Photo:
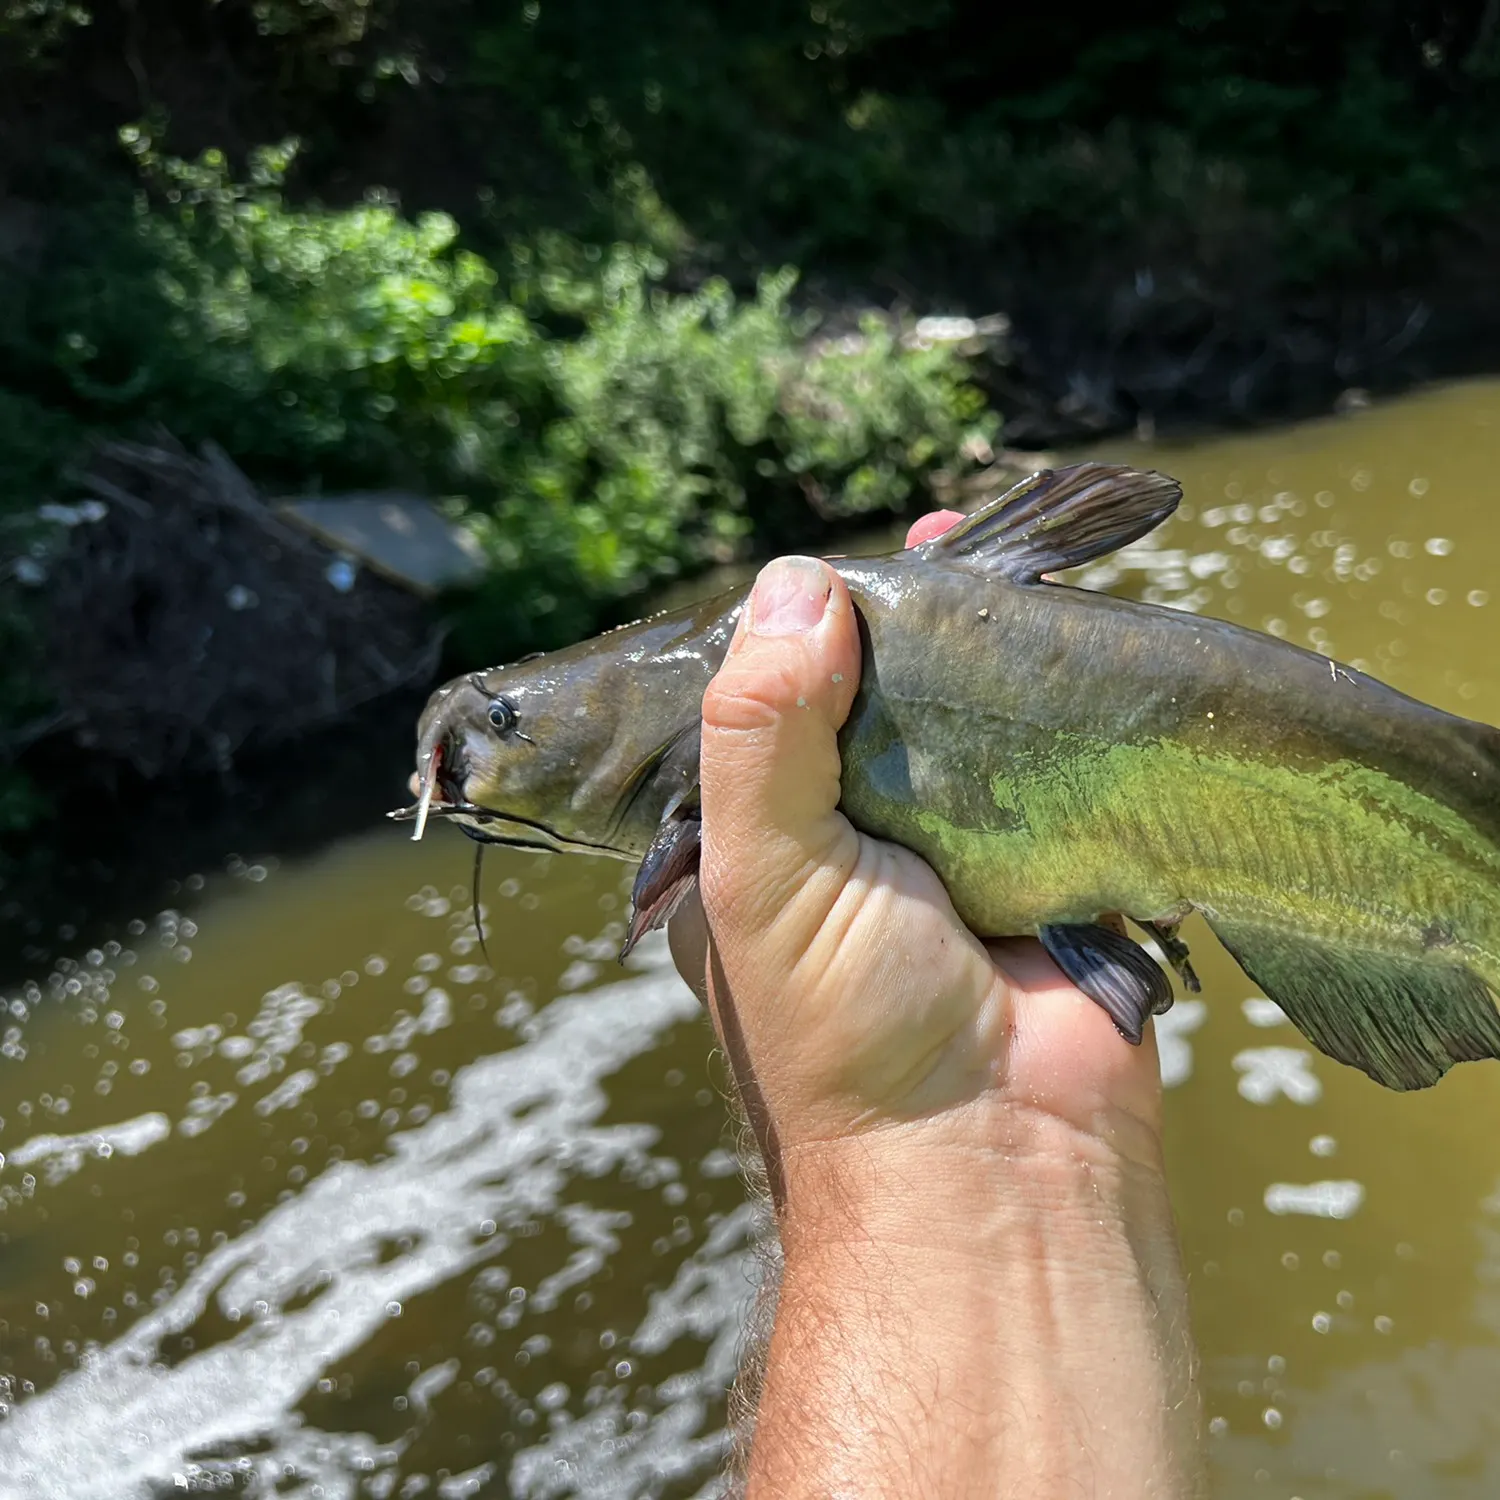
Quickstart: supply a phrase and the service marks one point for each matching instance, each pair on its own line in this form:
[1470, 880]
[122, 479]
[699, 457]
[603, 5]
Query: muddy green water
[300, 1196]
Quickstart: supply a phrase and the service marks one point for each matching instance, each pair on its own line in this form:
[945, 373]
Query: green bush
[596, 431]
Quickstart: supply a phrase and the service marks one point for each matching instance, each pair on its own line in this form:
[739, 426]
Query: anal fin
[1402, 1020]
[1112, 971]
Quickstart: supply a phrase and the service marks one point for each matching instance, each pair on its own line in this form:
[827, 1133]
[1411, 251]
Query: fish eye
[503, 715]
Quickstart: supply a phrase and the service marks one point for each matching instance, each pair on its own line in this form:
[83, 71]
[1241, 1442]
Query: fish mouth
[509, 830]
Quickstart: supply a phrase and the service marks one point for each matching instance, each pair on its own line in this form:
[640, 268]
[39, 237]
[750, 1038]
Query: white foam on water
[1340, 1199]
[1173, 1048]
[1259, 1011]
[62, 1155]
[603, 1455]
[125, 1424]
[1271, 1073]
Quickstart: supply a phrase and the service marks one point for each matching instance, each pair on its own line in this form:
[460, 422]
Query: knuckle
[749, 700]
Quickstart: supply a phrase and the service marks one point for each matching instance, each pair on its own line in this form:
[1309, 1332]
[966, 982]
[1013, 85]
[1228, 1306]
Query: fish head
[582, 749]
[504, 752]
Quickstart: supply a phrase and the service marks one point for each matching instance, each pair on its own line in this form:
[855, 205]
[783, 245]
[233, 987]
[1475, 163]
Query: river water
[302, 1196]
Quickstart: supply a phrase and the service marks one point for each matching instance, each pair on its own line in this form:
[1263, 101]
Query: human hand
[982, 1292]
[859, 999]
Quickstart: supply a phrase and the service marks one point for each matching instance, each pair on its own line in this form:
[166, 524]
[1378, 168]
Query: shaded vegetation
[532, 255]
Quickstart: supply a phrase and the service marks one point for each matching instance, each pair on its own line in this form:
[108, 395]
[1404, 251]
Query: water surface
[303, 1196]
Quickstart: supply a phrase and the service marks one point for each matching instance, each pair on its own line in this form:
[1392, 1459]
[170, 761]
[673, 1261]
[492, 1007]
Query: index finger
[934, 523]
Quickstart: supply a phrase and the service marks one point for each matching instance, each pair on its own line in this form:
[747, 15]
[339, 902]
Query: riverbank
[538, 266]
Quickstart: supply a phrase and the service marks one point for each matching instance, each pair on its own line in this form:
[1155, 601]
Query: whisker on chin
[474, 899]
[434, 810]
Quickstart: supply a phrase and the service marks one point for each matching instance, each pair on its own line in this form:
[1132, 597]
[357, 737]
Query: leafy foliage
[594, 429]
[879, 133]
[528, 263]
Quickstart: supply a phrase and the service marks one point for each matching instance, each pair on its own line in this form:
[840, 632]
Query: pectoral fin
[1113, 972]
[1403, 1021]
[1059, 518]
[667, 874]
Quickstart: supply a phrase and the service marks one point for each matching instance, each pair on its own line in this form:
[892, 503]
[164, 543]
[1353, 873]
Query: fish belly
[1024, 834]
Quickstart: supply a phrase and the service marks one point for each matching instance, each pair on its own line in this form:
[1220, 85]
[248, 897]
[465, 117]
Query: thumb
[770, 758]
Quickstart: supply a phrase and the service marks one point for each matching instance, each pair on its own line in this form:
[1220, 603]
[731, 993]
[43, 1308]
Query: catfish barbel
[1058, 756]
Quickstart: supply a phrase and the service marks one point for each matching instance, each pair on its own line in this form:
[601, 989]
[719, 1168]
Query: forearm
[960, 1319]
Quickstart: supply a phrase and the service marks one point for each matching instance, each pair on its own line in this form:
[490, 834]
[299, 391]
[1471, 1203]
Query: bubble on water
[191, 1037]
[1339, 1199]
[551, 1397]
[429, 902]
[288, 1093]
[1271, 1417]
[1321, 1322]
[577, 974]
[1383, 1324]
[1322, 1145]
[1270, 1073]
[1437, 596]
[1418, 487]
[1174, 1050]
[203, 1112]
[1438, 546]
[1217, 1427]
[1478, 597]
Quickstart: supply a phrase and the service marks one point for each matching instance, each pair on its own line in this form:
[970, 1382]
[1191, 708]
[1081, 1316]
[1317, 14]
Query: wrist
[1005, 1301]
[992, 1150]
[977, 1182]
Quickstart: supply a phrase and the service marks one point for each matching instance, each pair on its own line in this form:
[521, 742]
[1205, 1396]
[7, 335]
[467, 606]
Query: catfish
[1059, 757]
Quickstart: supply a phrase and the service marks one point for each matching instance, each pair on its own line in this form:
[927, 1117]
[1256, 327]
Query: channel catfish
[1059, 757]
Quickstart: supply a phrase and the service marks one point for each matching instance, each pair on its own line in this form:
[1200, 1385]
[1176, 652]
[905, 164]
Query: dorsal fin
[1059, 518]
